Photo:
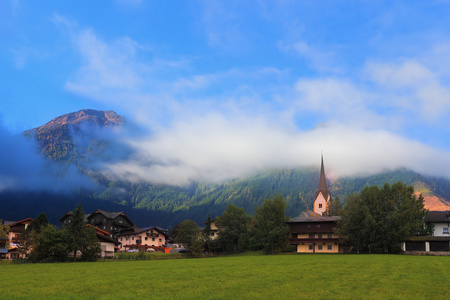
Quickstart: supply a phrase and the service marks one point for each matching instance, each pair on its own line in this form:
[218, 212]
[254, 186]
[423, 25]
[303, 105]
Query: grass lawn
[235, 277]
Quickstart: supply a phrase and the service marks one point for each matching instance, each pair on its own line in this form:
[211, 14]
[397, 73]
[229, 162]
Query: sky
[228, 88]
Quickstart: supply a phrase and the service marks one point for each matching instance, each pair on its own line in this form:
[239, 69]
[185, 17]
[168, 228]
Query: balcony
[16, 240]
[324, 240]
[16, 229]
[121, 224]
[152, 234]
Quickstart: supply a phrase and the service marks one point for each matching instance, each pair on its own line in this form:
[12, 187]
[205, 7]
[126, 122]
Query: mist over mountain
[75, 158]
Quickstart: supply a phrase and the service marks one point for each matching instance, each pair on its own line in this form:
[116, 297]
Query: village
[313, 231]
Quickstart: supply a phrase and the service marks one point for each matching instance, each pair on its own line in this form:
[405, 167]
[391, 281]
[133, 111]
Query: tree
[189, 234]
[50, 243]
[207, 234]
[4, 232]
[270, 229]
[32, 231]
[233, 227]
[334, 207]
[80, 236]
[380, 220]
[356, 223]
[90, 246]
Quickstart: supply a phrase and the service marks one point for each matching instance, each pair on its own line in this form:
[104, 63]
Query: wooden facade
[313, 233]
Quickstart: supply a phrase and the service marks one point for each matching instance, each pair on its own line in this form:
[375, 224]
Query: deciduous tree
[270, 230]
[380, 220]
[233, 229]
[189, 234]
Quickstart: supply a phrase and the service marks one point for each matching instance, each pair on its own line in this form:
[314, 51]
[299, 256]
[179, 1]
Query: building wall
[316, 248]
[439, 229]
[130, 239]
[107, 249]
[320, 204]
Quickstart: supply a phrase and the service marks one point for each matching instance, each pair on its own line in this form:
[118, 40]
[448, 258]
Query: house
[214, 229]
[438, 242]
[15, 238]
[142, 238]
[112, 222]
[107, 243]
[313, 231]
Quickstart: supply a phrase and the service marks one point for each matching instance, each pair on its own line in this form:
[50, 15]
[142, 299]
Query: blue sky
[227, 88]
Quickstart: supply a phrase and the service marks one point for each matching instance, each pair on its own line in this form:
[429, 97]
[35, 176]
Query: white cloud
[215, 148]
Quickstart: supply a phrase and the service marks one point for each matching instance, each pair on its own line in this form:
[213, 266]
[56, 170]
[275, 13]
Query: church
[313, 231]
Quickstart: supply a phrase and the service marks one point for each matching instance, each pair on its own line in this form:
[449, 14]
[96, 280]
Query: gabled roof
[438, 217]
[310, 216]
[322, 183]
[69, 213]
[103, 235]
[21, 222]
[111, 215]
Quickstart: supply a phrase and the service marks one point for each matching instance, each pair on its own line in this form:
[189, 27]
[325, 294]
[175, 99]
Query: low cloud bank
[215, 148]
[22, 168]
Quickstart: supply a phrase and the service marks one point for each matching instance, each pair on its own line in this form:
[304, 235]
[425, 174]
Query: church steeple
[322, 194]
[323, 182]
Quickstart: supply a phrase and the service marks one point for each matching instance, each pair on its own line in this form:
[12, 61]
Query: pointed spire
[323, 182]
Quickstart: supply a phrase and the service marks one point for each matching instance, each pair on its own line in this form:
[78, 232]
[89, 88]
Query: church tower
[322, 194]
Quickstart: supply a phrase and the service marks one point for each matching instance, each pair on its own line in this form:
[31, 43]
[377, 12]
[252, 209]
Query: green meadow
[234, 277]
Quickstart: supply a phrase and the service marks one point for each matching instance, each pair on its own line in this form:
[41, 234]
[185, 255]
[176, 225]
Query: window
[319, 247]
[319, 235]
[330, 247]
[146, 238]
[445, 230]
[318, 226]
[212, 233]
[330, 236]
[132, 238]
[310, 247]
[153, 239]
[320, 205]
[311, 235]
[160, 240]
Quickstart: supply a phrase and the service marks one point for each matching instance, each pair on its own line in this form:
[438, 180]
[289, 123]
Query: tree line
[377, 220]
[267, 230]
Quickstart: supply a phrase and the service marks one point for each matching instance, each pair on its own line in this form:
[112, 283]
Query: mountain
[63, 139]
[88, 135]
